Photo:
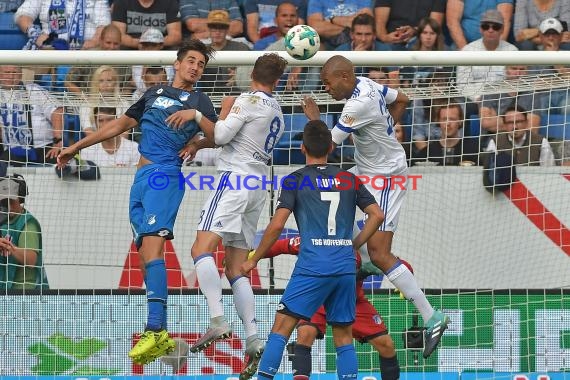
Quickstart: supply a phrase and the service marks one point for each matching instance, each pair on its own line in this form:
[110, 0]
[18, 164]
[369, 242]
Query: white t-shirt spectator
[127, 154]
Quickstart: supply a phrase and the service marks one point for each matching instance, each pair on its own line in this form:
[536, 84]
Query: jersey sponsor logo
[261, 158]
[138, 22]
[159, 91]
[280, 307]
[347, 119]
[162, 102]
[163, 233]
[235, 109]
[218, 224]
[184, 96]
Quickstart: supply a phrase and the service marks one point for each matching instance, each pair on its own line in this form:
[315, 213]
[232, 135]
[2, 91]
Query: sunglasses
[496, 27]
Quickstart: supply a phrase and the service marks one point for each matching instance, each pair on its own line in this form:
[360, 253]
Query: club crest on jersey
[347, 120]
[254, 99]
[184, 96]
[163, 102]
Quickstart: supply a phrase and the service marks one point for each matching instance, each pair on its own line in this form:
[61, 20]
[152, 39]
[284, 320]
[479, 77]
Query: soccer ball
[302, 42]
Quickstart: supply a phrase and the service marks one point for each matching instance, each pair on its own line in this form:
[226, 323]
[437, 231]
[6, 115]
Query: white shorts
[233, 214]
[389, 195]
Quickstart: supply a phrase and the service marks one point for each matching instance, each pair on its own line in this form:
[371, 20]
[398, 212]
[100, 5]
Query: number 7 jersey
[249, 133]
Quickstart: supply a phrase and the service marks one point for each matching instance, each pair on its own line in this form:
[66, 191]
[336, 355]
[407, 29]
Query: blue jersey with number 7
[323, 199]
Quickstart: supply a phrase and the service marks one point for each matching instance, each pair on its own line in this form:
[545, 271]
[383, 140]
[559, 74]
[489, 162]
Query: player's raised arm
[310, 108]
[114, 128]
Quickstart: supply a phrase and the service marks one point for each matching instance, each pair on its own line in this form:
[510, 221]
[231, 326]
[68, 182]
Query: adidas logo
[218, 224]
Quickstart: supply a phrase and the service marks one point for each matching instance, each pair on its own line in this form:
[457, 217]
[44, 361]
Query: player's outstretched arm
[374, 219]
[270, 236]
[114, 128]
[287, 246]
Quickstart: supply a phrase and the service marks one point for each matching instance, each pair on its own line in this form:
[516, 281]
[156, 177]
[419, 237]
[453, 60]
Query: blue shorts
[305, 294]
[154, 201]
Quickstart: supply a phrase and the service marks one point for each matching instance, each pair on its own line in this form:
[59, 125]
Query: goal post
[495, 260]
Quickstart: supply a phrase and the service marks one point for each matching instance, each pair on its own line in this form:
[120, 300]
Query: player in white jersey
[369, 115]
[248, 129]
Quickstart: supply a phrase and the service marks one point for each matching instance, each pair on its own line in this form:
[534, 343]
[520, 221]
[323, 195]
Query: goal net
[490, 244]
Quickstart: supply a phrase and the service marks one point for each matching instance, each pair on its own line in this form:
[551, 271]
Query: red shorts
[367, 325]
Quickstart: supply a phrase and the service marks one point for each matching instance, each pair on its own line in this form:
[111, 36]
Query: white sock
[210, 285]
[405, 281]
[244, 303]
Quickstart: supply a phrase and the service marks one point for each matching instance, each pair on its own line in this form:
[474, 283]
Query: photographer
[20, 239]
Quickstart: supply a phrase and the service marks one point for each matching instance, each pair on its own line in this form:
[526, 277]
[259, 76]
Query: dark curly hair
[195, 45]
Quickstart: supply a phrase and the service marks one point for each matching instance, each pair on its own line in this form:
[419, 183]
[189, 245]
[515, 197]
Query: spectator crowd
[440, 129]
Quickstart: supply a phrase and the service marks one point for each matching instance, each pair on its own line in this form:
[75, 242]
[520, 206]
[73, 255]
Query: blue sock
[346, 363]
[156, 294]
[271, 358]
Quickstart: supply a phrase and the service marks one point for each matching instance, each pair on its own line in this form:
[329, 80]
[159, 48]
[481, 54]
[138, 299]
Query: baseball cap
[152, 36]
[550, 24]
[8, 188]
[492, 15]
[218, 17]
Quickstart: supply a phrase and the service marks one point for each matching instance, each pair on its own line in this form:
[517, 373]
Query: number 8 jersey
[249, 133]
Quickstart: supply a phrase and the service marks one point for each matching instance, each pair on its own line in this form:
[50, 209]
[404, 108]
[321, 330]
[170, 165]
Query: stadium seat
[473, 126]
[555, 127]
[72, 129]
[11, 38]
